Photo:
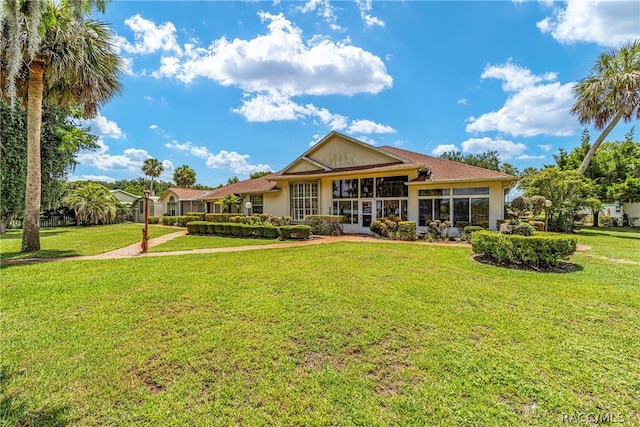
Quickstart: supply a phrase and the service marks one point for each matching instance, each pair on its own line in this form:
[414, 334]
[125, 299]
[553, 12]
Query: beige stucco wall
[633, 212]
[339, 154]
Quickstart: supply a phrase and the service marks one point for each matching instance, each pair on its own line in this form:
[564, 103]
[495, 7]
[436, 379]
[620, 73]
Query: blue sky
[234, 87]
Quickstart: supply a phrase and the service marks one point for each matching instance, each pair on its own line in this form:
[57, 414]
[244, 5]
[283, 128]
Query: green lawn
[613, 242]
[337, 334]
[185, 243]
[76, 241]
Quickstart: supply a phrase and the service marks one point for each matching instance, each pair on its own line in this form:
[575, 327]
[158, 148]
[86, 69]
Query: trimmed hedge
[179, 221]
[531, 251]
[407, 231]
[218, 217]
[295, 232]
[154, 220]
[263, 231]
[198, 214]
[325, 225]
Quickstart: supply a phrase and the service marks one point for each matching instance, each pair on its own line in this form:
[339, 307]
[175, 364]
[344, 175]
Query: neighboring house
[343, 176]
[632, 210]
[125, 197]
[180, 201]
[155, 208]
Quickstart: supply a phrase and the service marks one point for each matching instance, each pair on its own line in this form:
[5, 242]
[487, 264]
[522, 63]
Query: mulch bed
[562, 267]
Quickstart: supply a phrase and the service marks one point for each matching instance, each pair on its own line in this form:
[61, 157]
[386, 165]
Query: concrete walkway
[135, 250]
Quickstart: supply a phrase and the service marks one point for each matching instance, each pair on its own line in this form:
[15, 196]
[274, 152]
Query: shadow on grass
[43, 233]
[15, 411]
[42, 254]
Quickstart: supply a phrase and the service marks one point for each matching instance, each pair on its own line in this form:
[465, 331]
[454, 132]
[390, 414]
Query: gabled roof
[447, 170]
[248, 186]
[184, 193]
[117, 190]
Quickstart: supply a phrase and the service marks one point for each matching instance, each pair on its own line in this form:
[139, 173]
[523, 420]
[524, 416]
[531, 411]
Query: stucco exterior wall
[339, 154]
[633, 212]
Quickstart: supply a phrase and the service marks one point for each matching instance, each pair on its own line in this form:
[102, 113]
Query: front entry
[367, 215]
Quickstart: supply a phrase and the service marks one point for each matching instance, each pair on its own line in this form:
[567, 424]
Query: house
[126, 198]
[343, 176]
[180, 201]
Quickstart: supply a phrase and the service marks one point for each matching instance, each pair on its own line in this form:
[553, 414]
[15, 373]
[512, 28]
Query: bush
[406, 231]
[168, 220]
[385, 227]
[537, 225]
[325, 225]
[268, 231]
[516, 227]
[295, 232]
[213, 217]
[154, 220]
[198, 214]
[279, 221]
[470, 229]
[533, 251]
[197, 227]
[607, 221]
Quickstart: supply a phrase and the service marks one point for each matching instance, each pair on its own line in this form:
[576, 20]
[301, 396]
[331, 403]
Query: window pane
[366, 187]
[425, 208]
[436, 192]
[480, 212]
[346, 211]
[476, 191]
[460, 212]
[441, 209]
[392, 186]
[345, 189]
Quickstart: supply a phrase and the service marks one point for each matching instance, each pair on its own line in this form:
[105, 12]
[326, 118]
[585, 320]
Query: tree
[487, 160]
[60, 143]
[259, 174]
[92, 203]
[152, 168]
[567, 191]
[232, 180]
[184, 176]
[61, 59]
[609, 94]
[229, 202]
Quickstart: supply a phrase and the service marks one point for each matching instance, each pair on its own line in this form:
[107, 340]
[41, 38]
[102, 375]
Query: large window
[172, 207]
[348, 209]
[257, 203]
[304, 200]
[470, 206]
[395, 207]
[345, 189]
[366, 188]
[392, 186]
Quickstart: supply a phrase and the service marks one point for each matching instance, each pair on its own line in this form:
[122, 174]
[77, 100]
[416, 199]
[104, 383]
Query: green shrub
[182, 220]
[168, 220]
[268, 231]
[517, 227]
[406, 231]
[279, 221]
[385, 227]
[470, 229]
[218, 217]
[198, 214]
[295, 232]
[531, 251]
[537, 225]
[325, 225]
[197, 227]
[154, 220]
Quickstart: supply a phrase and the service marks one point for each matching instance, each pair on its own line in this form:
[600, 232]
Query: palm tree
[93, 204]
[610, 93]
[152, 168]
[62, 59]
[184, 176]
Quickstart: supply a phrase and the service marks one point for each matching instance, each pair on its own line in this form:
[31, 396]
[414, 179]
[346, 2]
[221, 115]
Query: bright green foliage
[92, 203]
[229, 202]
[152, 168]
[184, 176]
[263, 230]
[325, 225]
[406, 231]
[533, 251]
[180, 220]
[295, 232]
[259, 174]
[567, 191]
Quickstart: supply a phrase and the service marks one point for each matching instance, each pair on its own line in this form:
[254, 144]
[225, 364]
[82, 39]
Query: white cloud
[605, 22]
[281, 61]
[365, 7]
[149, 37]
[368, 126]
[367, 140]
[534, 108]
[545, 147]
[530, 157]
[131, 159]
[463, 101]
[223, 160]
[443, 148]
[101, 126]
[324, 9]
[506, 149]
[101, 178]
[153, 127]
[234, 161]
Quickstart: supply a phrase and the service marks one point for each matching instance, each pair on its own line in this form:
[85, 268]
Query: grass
[338, 334]
[185, 243]
[76, 241]
[613, 242]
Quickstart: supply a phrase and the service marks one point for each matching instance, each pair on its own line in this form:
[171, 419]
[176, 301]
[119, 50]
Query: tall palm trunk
[592, 151]
[31, 227]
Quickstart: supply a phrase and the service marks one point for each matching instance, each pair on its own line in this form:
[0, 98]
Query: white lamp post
[248, 206]
[547, 205]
